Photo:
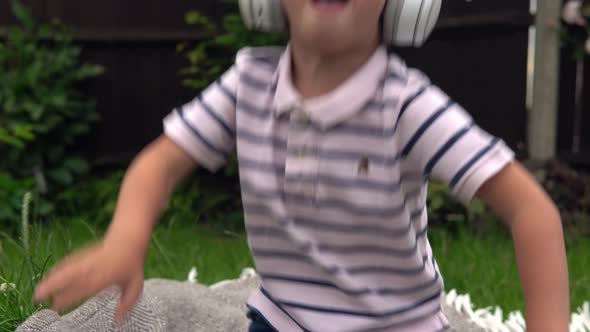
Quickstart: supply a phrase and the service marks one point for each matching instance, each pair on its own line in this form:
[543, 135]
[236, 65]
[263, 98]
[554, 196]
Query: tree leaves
[43, 111]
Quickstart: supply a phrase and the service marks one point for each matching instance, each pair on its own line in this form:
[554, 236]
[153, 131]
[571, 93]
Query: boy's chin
[328, 45]
[328, 40]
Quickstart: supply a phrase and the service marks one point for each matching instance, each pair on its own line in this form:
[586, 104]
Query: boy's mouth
[329, 5]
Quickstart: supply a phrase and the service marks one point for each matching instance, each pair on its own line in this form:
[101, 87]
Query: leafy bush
[194, 201]
[12, 191]
[445, 209]
[42, 111]
[215, 52]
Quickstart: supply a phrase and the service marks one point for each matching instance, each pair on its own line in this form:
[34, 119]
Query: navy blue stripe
[247, 164]
[350, 183]
[441, 152]
[251, 137]
[408, 148]
[373, 249]
[209, 110]
[351, 291]
[244, 106]
[372, 269]
[264, 231]
[255, 83]
[202, 138]
[412, 320]
[344, 249]
[276, 142]
[348, 155]
[430, 298]
[230, 95]
[336, 226]
[278, 168]
[392, 75]
[278, 305]
[409, 101]
[362, 131]
[263, 253]
[472, 161]
[270, 61]
[362, 269]
[345, 205]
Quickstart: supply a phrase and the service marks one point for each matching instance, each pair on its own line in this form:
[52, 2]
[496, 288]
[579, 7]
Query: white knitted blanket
[179, 306]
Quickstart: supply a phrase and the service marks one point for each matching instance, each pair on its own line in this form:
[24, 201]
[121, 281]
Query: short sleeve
[441, 140]
[205, 126]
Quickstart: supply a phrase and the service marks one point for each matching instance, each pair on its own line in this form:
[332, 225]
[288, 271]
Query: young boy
[336, 140]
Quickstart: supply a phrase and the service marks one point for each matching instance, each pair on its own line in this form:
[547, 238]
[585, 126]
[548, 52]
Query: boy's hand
[91, 270]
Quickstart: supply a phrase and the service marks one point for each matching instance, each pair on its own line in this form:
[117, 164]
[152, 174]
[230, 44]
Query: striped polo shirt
[334, 187]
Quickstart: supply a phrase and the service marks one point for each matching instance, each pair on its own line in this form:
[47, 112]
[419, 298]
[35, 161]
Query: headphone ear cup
[263, 15]
[410, 22]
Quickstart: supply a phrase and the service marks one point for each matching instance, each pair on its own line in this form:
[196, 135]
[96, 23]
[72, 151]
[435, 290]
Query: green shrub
[196, 200]
[445, 209]
[215, 52]
[42, 110]
[12, 191]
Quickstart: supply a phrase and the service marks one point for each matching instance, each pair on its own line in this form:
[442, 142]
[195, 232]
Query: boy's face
[332, 25]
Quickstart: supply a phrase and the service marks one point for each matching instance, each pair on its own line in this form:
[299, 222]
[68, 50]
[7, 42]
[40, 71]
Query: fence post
[542, 120]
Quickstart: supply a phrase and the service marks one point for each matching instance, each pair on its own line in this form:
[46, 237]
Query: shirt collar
[337, 105]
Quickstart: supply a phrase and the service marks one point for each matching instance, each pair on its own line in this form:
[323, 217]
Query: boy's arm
[535, 224]
[118, 259]
[200, 132]
[146, 190]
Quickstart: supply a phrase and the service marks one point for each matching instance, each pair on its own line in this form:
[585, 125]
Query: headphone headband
[405, 23]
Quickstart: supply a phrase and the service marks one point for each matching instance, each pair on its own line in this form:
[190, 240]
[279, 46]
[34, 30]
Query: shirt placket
[302, 159]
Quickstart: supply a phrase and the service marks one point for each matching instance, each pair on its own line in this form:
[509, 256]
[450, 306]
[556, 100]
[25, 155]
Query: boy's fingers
[129, 295]
[57, 281]
[66, 298]
[59, 277]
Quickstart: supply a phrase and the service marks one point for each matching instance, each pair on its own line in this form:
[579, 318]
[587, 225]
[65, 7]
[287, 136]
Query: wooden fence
[478, 54]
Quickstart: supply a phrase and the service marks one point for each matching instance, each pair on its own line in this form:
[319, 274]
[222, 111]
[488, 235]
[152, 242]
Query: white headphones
[405, 22]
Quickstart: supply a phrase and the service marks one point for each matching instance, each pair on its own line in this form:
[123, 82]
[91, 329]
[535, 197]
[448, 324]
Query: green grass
[485, 267]
[175, 249]
[482, 265]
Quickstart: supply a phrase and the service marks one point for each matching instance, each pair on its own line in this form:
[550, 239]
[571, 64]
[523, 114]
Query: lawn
[174, 251]
[483, 266]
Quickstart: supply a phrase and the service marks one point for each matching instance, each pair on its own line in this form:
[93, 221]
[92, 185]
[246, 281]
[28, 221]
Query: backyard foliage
[214, 53]
[42, 109]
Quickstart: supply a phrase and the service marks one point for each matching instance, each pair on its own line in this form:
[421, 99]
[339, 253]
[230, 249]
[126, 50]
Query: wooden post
[542, 121]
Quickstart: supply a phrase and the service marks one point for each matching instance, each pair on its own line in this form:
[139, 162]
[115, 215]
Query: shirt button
[300, 153]
[303, 120]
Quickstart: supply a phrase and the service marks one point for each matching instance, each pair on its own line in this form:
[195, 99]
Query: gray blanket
[175, 306]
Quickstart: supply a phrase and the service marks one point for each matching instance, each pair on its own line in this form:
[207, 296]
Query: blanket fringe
[490, 318]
